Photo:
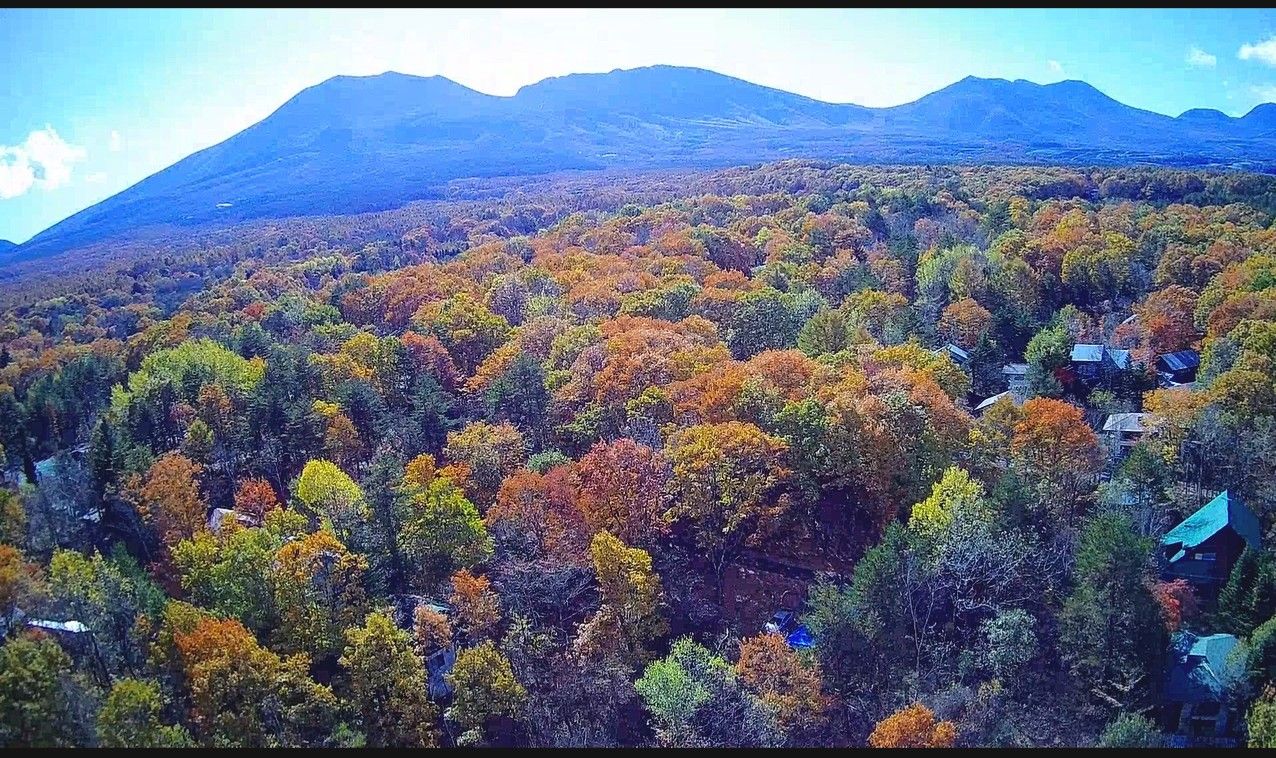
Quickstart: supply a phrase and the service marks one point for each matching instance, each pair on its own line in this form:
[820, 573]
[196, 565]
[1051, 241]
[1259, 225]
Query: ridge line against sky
[93, 101]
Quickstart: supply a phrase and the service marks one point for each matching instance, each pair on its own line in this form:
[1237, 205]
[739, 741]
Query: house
[1204, 547]
[1196, 706]
[1122, 431]
[1098, 363]
[220, 516]
[958, 355]
[1016, 375]
[439, 663]
[1175, 369]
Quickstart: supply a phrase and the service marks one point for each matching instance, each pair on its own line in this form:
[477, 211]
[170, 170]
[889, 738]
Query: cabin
[1122, 431]
[1016, 375]
[1178, 368]
[1203, 548]
[958, 355]
[1195, 705]
[1097, 364]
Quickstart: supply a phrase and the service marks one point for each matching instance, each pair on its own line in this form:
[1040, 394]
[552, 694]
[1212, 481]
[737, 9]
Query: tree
[441, 531]
[1131, 730]
[478, 608]
[492, 452]
[1049, 352]
[913, 727]
[34, 707]
[622, 490]
[330, 496]
[130, 718]
[20, 581]
[697, 700]
[1262, 651]
[629, 618]
[484, 688]
[1055, 448]
[431, 631]
[773, 670]
[243, 695]
[319, 592]
[542, 508]
[1177, 601]
[255, 498]
[1249, 597]
[956, 497]
[1260, 722]
[964, 322]
[1110, 631]
[388, 687]
[728, 483]
[170, 498]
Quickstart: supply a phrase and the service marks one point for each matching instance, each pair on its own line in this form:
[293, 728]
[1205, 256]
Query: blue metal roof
[1224, 510]
[1121, 358]
[1200, 667]
[1087, 353]
[1183, 360]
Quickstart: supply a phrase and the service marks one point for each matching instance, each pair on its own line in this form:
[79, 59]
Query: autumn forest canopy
[791, 455]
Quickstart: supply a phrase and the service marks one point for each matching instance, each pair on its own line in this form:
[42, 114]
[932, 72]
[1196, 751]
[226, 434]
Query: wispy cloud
[1264, 51]
[1265, 92]
[1198, 57]
[1055, 67]
[44, 161]
[96, 177]
[117, 142]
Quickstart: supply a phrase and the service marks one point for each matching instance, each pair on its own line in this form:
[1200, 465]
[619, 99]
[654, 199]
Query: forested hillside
[678, 459]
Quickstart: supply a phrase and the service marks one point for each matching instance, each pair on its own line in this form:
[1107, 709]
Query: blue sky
[93, 101]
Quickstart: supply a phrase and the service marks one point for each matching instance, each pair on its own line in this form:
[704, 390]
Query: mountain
[353, 144]
[6, 246]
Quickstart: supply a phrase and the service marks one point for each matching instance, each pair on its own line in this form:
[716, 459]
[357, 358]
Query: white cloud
[117, 142]
[1198, 57]
[95, 178]
[1055, 67]
[44, 160]
[1264, 51]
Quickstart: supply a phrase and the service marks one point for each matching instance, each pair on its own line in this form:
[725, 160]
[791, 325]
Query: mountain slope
[354, 144]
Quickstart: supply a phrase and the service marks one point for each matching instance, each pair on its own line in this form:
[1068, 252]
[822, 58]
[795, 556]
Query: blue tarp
[800, 638]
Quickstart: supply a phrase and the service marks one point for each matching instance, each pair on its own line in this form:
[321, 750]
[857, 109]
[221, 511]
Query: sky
[93, 101]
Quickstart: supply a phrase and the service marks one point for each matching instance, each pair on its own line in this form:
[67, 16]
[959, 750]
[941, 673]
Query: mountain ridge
[360, 143]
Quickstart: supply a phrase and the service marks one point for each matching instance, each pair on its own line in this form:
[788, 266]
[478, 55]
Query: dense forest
[678, 459]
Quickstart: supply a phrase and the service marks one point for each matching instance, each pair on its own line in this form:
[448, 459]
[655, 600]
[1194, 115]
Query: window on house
[1205, 556]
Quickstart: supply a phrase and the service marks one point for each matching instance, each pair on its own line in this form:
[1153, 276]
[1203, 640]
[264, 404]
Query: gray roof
[957, 353]
[1015, 369]
[58, 626]
[1121, 358]
[1128, 422]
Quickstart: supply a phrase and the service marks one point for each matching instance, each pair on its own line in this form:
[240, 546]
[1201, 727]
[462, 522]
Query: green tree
[34, 707]
[130, 718]
[329, 495]
[388, 685]
[441, 531]
[1048, 351]
[1130, 730]
[1249, 597]
[484, 688]
[697, 700]
[1111, 629]
[1261, 721]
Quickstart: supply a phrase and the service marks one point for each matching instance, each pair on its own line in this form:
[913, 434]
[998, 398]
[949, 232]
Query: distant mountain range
[354, 144]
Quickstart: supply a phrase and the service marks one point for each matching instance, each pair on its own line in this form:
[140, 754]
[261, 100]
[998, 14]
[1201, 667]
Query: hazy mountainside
[6, 246]
[354, 144]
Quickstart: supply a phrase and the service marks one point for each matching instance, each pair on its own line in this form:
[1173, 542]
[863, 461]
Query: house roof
[1127, 422]
[1015, 369]
[1183, 360]
[72, 626]
[1121, 358]
[957, 353]
[217, 519]
[1087, 353]
[1199, 667]
[990, 401]
[1224, 510]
